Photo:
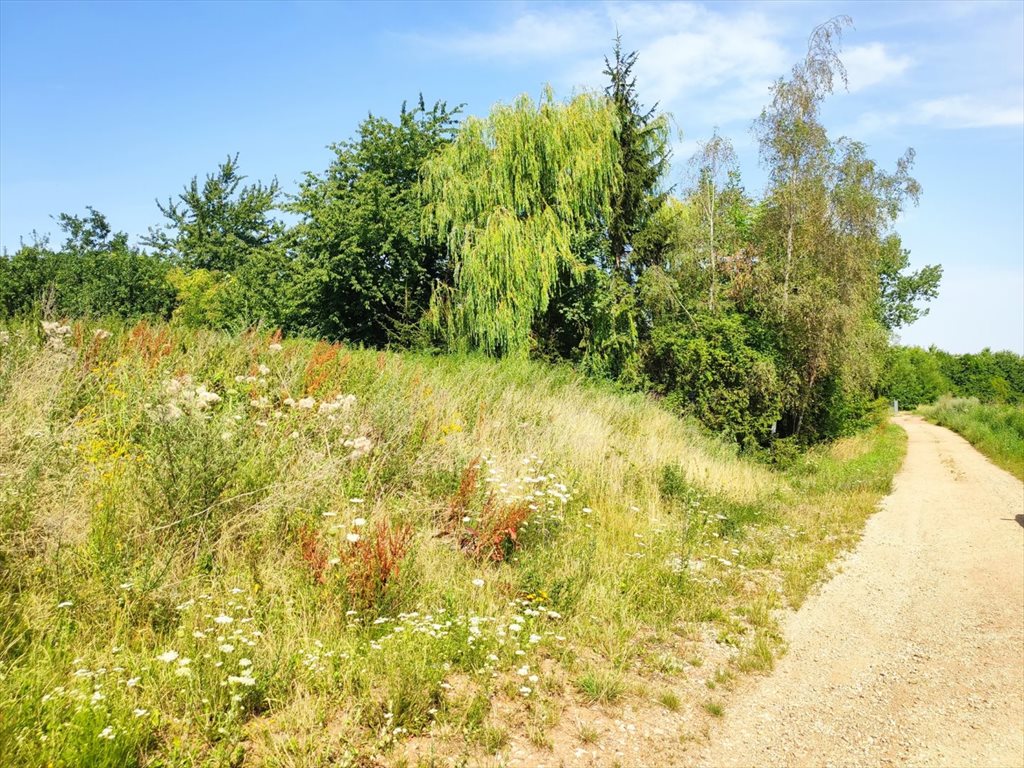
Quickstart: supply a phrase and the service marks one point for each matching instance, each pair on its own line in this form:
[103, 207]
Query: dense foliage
[916, 376]
[545, 229]
[365, 269]
[94, 272]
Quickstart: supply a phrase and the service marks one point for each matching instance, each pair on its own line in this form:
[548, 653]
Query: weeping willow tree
[509, 196]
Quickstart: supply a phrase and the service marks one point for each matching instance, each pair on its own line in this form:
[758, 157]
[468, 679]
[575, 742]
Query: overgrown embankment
[997, 430]
[221, 550]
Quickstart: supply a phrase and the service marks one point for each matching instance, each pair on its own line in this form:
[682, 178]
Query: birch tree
[714, 160]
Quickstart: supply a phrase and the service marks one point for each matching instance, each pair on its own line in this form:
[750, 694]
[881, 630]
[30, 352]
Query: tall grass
[995, 430]
[220, 550]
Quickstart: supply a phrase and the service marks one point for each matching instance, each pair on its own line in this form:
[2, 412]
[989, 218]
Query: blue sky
[116, 104]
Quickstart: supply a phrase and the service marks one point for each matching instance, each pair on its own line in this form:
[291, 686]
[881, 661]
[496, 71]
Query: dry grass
[164, 490]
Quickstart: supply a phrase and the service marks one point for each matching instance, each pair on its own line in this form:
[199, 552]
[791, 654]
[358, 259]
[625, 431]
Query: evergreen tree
[643, 157]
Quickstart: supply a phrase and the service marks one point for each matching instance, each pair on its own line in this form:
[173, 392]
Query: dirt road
[914, 653]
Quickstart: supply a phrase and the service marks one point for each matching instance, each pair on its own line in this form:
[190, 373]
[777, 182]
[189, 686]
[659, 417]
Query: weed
[669, 700]
[714, 708]
[601, 686]
[164, 498]
[492, 738]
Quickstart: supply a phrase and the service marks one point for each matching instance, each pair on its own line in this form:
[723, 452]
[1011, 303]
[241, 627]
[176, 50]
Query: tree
[714, 162]
[367, 270]
[912, 376]
[643, 158]
[95, 272]
[899, 293]
[508, 197]
[822, 235]
[707, 367]
[219, 225]
[794, 145]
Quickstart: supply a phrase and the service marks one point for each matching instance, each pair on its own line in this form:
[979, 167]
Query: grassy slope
[995, 430]
[222, 536]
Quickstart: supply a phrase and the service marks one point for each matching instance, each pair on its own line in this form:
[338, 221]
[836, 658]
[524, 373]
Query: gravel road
[914, 653]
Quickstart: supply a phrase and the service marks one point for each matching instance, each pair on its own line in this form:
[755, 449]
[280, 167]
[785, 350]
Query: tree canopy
[508, 197]
[546, 228]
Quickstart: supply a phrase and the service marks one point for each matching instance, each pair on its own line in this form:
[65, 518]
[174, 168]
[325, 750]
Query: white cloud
[955, 111]
[971, 112]
[871, 64]
[546, 34]
[692, 57]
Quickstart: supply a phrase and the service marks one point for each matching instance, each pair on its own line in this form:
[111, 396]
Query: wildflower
[526, 690]
[353, 537]
[356, 500]
[65, 604]
[100, 334]
[334, 561]
[204, 397]
[222, 619]
[107, 733]
[478, 582]
[167, 657]
[275, 347]
[523, 671]
[133, 681]
[533, 679]
[140, 712]
[360, 446]
[225, 436]
[226, 647]
[534, 638]
[264, 370]
[126, 585]
[241, 680]
[245, 662]
[306, 403]
[359, 522]
[514, 628]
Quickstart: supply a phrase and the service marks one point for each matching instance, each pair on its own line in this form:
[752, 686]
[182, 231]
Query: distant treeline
[546, 229]
[916, 376]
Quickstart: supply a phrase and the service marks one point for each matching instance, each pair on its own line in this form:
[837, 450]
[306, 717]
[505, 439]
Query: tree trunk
[714, 263]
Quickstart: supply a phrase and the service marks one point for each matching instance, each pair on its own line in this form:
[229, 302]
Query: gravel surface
[914, 653]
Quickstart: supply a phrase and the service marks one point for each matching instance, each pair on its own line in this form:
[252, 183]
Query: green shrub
[711, 372]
